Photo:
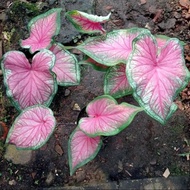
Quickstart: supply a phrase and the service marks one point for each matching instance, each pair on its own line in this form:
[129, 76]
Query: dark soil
[145, 149]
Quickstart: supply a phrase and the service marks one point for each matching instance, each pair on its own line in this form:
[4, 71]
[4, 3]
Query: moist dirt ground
[145, 149]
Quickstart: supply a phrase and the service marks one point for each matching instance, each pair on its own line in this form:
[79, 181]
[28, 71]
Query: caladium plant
[32, 128]
[151, 68]
[105, 118]
[87, 23]
[157, 75]
[29, 84]
[42, 29]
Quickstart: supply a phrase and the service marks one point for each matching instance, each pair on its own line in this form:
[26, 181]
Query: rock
[50, 178]
[177, 15]
[68, 32]
[12, 182]
[67, 92]
[18, 156]
[170, 23]
[51, 2]
[76, 107]
[3, 16]
[153, 162]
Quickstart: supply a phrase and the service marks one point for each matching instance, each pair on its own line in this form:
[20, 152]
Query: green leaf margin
[8, 91]
[103, 38]
[119, 129]
[72, 170]
[17, 119]
[41, 16]
[77, 68]
[173, 107]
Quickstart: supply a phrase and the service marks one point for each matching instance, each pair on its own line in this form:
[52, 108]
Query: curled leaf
[87, 23]
[106, 117]
[157, 75]
[42, 28]
[32, 128]
[97, 66]
[82, 149]
[29, 84]
[66, 66]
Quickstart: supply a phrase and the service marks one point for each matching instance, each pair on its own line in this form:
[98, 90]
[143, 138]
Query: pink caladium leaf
[162, 40]
[42, 29]
[29, 84]
[112, 49]
[116, 83]
[32, 128]
[97, 66]
[66, 66]
[106, 117]
[157, 75]
[87, 23]
[82, 149]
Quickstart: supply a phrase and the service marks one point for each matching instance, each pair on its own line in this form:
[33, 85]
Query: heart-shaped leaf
[112, 49]
[106, 117]
[116, 83]
[42, 28]
[32, 128]
[87, 23]
[157, 75]
[29, 84]
[82, 149]
[66, 66]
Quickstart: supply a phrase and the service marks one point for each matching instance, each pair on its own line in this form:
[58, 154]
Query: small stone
[166, 173]
[177, 15]
[12, 182]
[51, 2]
[67, 92]
[50, 178]
[169, 24]
[3, 16]
[76, 107]
[153, 162]
[18, 156]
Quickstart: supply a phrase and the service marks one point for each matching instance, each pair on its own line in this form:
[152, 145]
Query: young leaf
[32, 128]
[87, 23]
[82, 149]
[157, 75]
[106, 117]
[29, 84]
[97, 66]
[66, 66]
[42, 28]
[116, 83]
[113, 49]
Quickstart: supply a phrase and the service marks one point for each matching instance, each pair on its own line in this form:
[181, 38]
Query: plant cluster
[150, 67]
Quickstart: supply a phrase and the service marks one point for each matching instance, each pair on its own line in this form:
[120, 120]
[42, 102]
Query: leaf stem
[69, 47]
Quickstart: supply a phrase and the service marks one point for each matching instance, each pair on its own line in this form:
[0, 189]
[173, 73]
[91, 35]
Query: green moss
[22, 9]
[177, 171]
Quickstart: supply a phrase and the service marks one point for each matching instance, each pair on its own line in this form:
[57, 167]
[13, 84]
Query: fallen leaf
[143, 2]
[184, 3]
[59, 149]
[166, 173]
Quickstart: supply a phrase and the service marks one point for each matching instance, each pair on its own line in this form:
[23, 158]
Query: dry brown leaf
[143, 2]
[59, 149]
[185, 3]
